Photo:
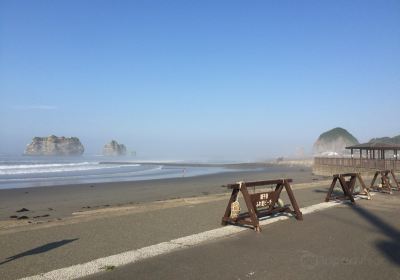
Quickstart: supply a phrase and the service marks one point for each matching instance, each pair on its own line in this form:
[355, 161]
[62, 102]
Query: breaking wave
[55, 167]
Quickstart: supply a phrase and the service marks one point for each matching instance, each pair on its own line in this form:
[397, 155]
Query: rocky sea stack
[114, 149]
[55, 146]
[334, 142]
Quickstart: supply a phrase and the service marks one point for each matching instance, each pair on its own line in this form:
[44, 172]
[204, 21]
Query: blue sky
[198, 79]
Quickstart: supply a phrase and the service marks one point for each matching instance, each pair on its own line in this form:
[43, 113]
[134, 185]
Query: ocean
[31, 171]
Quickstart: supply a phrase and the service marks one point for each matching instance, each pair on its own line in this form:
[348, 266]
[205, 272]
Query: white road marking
[130, 257]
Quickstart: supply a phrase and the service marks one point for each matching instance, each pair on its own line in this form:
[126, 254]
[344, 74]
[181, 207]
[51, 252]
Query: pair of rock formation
[114, 149]
[64, 146]
[54, 146]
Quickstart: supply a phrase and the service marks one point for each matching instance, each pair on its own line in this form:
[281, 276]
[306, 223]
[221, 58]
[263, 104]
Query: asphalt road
[345, 242]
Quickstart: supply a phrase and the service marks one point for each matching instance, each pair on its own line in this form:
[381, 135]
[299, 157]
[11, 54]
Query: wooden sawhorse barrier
[385, 185]
[347, 182]
[259, 204]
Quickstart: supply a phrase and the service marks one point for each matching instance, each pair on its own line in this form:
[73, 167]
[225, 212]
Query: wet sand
[59, 202]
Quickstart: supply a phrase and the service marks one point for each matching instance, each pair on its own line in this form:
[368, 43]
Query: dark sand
[58, 202]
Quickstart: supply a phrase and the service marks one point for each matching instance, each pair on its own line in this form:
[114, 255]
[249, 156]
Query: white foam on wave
[44, 165]
[126, 174]
[57, 167]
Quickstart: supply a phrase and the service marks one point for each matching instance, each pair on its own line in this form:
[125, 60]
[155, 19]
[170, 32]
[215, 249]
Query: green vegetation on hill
[388, 140]
[337, 132]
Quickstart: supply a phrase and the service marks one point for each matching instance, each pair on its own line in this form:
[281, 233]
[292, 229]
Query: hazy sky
[198, 79]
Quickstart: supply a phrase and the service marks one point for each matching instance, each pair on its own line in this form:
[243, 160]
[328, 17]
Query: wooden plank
[352, 182]
[329, 194]
[363, 186]
[345, 188]
[260, 183]
[266, 212]
[395, 179]
[374, 179]
[349, 174]
[296, 208]
[250, 207]
[386, 184]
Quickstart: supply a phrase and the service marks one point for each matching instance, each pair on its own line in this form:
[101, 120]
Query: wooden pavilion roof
[375, 146]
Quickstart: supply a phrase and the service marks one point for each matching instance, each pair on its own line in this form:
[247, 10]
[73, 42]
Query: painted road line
[133, 256]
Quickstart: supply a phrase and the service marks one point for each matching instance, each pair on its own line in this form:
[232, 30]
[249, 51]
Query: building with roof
[365, 158]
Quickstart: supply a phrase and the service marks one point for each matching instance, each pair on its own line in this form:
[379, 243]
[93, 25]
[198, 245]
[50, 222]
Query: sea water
[31, 171]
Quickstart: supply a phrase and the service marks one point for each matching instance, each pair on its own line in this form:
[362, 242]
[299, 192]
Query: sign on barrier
[385, 185]
[259, 204]
[347, 182]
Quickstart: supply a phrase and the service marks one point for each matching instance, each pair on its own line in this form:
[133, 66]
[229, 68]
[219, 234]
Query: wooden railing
[364, 163]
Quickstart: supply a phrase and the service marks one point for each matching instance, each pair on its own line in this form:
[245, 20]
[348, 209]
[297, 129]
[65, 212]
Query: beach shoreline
[46, 204]
[40, 172]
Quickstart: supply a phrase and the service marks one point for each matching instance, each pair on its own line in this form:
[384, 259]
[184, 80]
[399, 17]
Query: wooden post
[363, 186]
[299, 215]
[330, 190]
[345, 187]
[374, 179]
[395, 179]
[250, 207]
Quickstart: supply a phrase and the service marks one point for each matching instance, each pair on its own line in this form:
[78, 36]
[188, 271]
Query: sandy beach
[46, 204]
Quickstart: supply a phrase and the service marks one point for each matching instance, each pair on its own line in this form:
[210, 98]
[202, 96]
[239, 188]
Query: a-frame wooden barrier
[385, 185]
[347, 182]
[259, 204]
